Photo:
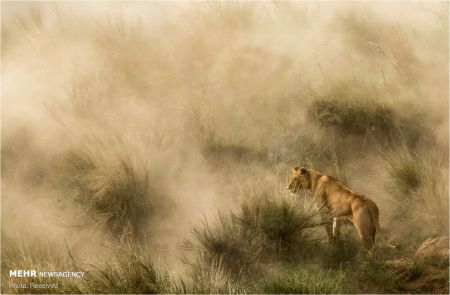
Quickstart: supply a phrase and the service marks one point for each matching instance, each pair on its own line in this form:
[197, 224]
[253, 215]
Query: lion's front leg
[328, 226]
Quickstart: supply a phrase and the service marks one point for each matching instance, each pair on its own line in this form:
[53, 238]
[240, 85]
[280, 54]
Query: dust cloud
[144, 119]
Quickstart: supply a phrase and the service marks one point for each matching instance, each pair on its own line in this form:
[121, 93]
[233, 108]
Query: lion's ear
[296, 169]
[303, 170]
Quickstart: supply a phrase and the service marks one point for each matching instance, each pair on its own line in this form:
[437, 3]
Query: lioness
[340, 202]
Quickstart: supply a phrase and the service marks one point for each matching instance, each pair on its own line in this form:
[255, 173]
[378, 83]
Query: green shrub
[343, 252]
[307, 279]
[376, 273]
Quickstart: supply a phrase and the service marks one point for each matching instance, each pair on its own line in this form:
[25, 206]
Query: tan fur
[340, 202]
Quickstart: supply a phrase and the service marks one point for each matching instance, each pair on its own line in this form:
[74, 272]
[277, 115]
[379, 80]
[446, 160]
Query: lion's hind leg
[365, 230]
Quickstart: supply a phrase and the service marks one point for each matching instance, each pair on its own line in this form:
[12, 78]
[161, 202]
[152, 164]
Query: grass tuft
[130, 269]
[269, 225]
[119, 194]
[419, 187]
[283, 221]
[343, 252]
[406, 169]
[21, 253]
[308, 279]
[227, 244]
[375, 272]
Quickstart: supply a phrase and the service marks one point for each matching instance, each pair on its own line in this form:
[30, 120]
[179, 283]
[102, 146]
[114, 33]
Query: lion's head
[299, 180]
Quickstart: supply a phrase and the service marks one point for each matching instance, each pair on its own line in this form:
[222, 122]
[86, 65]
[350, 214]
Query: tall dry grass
[418, 186]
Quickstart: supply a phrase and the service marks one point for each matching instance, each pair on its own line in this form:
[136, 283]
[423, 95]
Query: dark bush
[350, 108]
[281, 220]
[113, 190]
[227, 243]
[268, 226]
[358, 117]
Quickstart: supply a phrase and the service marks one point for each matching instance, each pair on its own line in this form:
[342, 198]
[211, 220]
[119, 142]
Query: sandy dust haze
[142, 121]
